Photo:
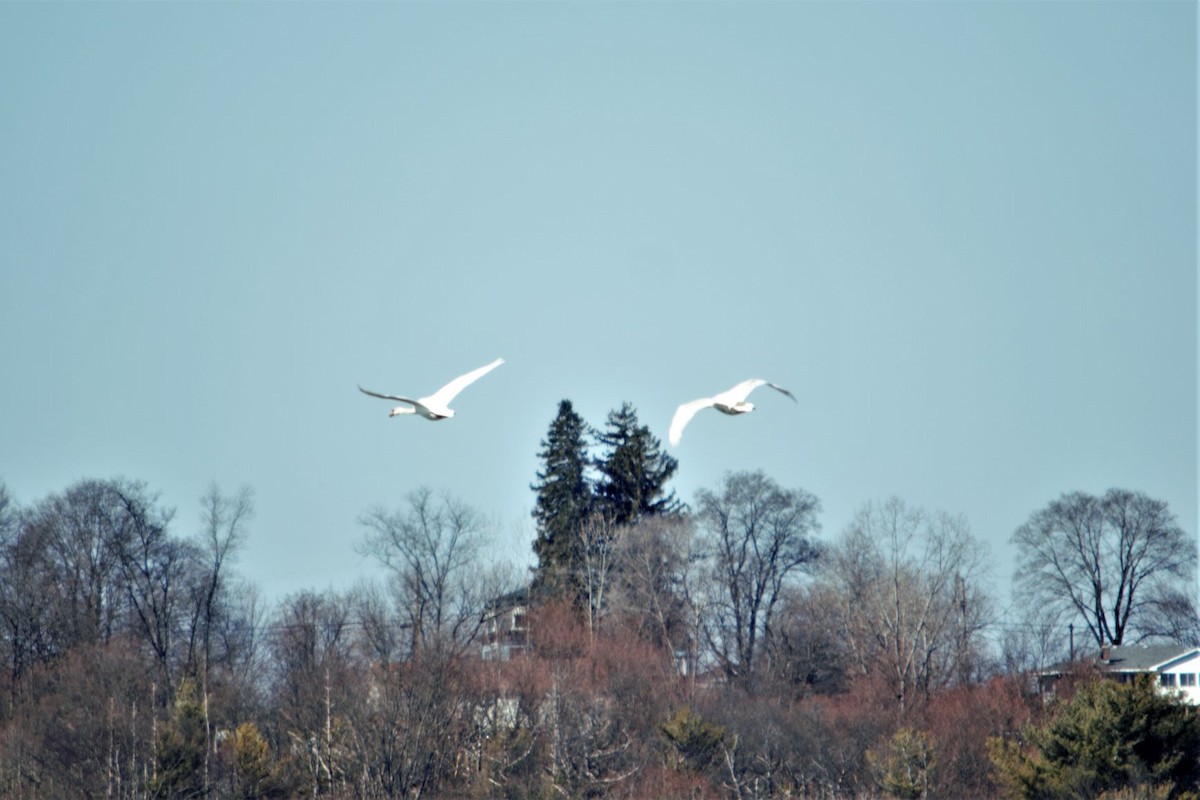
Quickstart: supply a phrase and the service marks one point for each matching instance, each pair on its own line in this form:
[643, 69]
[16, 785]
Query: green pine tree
[180, 748]
[633, 471]
[697, 743]
[1109, 737]
[564, 501]
[905, 765]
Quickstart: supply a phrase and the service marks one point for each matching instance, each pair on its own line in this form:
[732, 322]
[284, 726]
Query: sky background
[963, 234]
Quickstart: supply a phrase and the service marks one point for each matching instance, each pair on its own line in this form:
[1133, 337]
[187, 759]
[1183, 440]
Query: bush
[1109, 737]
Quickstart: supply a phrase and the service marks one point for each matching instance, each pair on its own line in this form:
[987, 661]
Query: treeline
[722, 649]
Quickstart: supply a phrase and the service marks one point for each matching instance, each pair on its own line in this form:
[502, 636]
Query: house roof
[1143, 658]
[507, 602]
[1130, 658]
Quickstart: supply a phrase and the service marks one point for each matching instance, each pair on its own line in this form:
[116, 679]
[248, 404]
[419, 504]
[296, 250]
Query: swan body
[437, 405]
[731, 401]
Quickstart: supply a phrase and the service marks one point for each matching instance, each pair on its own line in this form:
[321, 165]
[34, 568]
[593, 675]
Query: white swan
[731, 401]
[436, 406]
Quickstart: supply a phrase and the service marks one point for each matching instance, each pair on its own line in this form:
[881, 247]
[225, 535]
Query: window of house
[1167, 679]
[1187, 679]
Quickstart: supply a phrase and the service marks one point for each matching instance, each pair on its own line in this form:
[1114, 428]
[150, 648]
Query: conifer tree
[634, 471]
[180, 750]
[1109, 737]
[564, 502]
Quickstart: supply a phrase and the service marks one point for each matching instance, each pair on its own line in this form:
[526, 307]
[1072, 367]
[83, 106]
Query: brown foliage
[84, 727]
[961, 720]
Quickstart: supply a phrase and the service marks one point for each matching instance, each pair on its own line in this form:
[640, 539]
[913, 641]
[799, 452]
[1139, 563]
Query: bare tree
[597, 537]
[1173, 616]
[432, 548]
[908, 585]
[9, 514]
[380, 630]
[314, 684]
[31, 606]
[1118, 563]
[807, 653]
[600, 702]
[84, 729]
[409, 727]
[657, 565]
[224, 519]
[757, 535]
[1036, 642]
[155, 567]
[98, 560]
[238, 638]
[85, 528]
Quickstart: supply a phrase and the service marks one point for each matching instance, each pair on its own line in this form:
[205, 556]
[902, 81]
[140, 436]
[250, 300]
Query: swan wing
[740, 392]
[779, 388]
[444, 395]
[683, 415]
[397, 398]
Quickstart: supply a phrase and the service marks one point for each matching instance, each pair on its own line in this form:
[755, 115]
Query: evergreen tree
[564, 501]
[634, 471]
[1109, 737]
[181, 748]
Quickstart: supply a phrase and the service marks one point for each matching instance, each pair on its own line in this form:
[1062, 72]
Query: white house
[1176, 668]
[505, 629]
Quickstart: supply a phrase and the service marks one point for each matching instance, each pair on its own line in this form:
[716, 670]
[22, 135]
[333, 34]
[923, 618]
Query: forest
[717, 648]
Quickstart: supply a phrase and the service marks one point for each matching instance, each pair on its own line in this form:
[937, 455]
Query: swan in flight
[437, 405]
[731, 401]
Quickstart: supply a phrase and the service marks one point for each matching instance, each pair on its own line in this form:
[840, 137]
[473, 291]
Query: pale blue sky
[964, 234]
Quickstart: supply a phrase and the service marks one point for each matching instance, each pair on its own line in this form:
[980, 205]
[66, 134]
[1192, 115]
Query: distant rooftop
[517, 597]
[1140, 658]
[1127, 658]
